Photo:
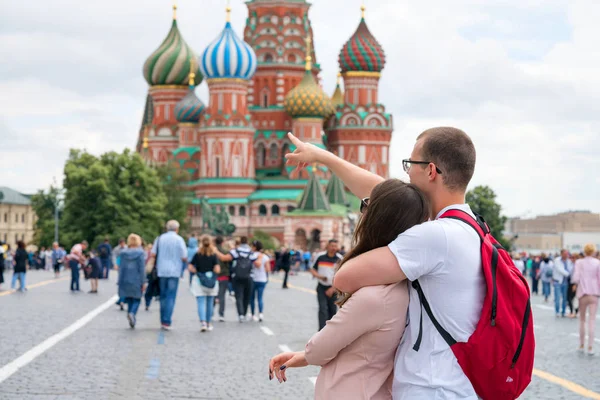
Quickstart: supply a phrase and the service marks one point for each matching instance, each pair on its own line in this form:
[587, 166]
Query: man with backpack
[458, 273]
[105, 254]
[241, 275]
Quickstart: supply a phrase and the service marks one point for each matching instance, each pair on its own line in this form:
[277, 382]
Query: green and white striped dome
[170, 63]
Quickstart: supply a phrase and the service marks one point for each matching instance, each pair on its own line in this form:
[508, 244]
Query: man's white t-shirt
[445, 256]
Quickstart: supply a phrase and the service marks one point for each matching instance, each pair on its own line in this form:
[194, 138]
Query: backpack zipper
[523, 332]
[495, 289]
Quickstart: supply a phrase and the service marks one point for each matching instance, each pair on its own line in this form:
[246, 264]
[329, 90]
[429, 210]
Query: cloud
[520, 76]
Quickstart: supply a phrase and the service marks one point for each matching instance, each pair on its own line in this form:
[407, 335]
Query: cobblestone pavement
[107, 360]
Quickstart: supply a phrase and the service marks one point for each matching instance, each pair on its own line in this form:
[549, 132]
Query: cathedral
[263, 85]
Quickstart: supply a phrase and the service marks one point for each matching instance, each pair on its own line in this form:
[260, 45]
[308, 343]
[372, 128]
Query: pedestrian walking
[560, 274]
[204, 268]
[323, 270]
[357, 347]
[544, 271]
[48, 259]
[285, 261]
[116, 258]
[58, 259]
[105, 253]
[20, 267]
[2, 252]
[241, 277]
[224, 278]
[95, 269]
[192, 249]
[259, 280]
[306, 260]
[169, 252]
[536, 274]
[587, 276]
[152, 288]
[132, 276]
[75, 259]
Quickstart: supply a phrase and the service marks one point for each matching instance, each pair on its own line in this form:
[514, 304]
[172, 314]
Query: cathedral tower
[361, 130]
[226, 132]
[167, 73]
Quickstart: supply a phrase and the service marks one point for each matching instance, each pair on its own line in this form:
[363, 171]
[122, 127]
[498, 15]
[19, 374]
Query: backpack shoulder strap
[425, 304]
[479, 225]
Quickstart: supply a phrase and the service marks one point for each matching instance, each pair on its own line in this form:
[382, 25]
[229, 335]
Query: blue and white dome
[228, 57]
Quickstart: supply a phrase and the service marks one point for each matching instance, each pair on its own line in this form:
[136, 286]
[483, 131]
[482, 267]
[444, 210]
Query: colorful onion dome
[190, 107]
[170, 63]
[338, 95]
[308, 99]
[362, 52]
[228, 56]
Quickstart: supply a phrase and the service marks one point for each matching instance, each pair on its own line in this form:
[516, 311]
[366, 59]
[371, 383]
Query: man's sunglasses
[406, 165]
[364, 203]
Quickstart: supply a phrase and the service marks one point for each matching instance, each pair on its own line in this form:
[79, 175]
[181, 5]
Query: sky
[521, 77]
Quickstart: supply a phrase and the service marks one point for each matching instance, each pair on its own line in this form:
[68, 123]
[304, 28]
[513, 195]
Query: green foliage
[43, 204]
[267, 240]
[482, 200]
[173, 182]
[114, 194]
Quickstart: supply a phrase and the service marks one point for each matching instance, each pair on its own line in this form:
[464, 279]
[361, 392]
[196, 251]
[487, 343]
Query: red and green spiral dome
[362, 52]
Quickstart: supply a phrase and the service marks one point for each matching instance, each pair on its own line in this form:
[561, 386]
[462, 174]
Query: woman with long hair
[205, 267]
[259, 279]
[357, 346]
[586, 275]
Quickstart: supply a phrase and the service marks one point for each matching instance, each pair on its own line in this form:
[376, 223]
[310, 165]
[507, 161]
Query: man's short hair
[219, 240]
[244, 240]
[453, 152]
[332, 241]
[85, 243]
[172, 225]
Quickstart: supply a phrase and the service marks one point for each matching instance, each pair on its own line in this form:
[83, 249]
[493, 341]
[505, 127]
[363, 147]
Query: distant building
[550, 233]
[17, 218]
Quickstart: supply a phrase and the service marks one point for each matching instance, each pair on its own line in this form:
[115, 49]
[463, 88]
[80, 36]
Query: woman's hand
[191, 268]
[281, 362]
[305, 153]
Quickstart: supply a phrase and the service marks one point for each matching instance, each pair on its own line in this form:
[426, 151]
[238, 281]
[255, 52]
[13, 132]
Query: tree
[267, 240]
[174, 180]
[114, 194]
[44, 204]
[482, 200]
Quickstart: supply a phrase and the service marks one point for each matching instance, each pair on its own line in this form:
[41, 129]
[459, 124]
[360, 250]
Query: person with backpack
[204, 269]
[104, 252]
[357, 346]
[469, 306]
[241, 277]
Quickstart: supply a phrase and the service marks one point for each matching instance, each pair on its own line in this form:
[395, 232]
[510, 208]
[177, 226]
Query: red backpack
[498, 357]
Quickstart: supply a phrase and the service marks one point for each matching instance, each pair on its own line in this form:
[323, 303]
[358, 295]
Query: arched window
[273, 152]
[292, 59]
[232, 210]
[268, 57]
[290, 208]
[275, 209]
[265, 100]
[260, 155]
[262, 210]
[242, 211]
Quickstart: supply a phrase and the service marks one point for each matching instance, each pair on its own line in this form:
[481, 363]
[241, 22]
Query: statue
[216, 223]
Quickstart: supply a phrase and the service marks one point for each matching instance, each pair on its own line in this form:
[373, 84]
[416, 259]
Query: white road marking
[285, 348]
[15, 365]
[543, 307]
[267, 331]
[586, 337]
[313, 379]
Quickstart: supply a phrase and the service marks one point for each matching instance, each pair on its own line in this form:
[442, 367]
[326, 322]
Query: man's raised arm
[375, 267]
[358, 180]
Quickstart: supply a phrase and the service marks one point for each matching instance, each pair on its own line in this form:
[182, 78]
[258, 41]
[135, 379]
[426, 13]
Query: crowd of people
[411, 287]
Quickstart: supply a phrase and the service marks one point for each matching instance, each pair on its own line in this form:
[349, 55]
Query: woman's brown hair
[394, 207]
[206, 248]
